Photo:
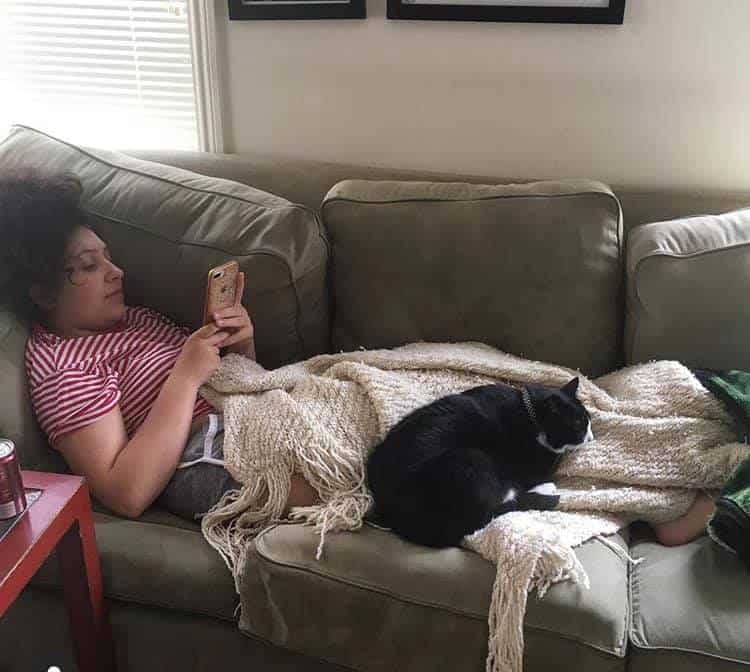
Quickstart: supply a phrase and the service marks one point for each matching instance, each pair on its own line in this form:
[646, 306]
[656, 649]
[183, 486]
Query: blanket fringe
[343, 512]
[240, 515]
[510, 594]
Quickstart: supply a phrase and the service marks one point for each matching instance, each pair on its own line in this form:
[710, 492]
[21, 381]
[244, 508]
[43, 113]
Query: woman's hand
[237, 322]
[199, 356]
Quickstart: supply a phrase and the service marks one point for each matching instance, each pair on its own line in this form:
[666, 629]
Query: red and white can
[12, 494]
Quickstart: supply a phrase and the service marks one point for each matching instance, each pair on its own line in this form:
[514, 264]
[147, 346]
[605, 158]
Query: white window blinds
[103, 73]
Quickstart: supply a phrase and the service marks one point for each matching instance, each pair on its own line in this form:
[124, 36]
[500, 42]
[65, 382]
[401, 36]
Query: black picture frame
[240, 10]
[613, 13]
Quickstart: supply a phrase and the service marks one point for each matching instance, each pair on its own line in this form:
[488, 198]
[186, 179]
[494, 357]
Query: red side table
[61, 520]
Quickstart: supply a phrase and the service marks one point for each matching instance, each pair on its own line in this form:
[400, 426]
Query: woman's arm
[128, 475]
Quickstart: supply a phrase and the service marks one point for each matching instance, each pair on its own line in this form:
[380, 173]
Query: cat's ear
[570, 388]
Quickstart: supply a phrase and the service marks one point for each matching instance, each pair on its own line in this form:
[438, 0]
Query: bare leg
[689, 526]
[302, 493]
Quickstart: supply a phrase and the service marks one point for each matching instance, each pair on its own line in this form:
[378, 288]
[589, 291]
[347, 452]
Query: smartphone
[221, 289]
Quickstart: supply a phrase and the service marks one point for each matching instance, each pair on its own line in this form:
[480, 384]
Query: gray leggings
[200, 478]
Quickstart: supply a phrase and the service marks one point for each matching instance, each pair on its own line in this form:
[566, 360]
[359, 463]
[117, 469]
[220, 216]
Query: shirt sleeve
[168, 330]
[70, 399]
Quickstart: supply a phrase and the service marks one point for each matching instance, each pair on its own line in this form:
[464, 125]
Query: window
[102, 73]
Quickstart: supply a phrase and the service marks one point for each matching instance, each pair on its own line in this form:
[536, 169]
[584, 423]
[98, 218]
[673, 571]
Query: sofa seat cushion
[532, 269]
[689, 606]
[688, 283]
[151, 561]
[375, 602]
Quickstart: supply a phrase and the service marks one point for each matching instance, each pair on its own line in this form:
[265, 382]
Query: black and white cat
[448, 468]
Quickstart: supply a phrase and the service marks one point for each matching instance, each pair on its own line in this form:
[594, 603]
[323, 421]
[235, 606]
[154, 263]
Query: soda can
[12, 494]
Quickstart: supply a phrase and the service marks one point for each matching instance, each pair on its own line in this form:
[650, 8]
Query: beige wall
[662, 100]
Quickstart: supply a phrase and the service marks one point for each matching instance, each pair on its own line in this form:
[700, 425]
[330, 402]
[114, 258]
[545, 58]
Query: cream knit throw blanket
[659, 436]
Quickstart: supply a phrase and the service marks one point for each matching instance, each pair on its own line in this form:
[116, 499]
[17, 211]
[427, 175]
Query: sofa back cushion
[307, 181]
[688, 289]
[166, 227]
[533, 269]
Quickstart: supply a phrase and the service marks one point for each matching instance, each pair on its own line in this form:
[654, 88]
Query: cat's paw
[533, 501]
[542, 497]
[548, 488]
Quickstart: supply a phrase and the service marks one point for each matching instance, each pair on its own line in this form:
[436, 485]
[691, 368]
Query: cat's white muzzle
[542, 439]
[589, 434]
[572, 447]
[589, 437]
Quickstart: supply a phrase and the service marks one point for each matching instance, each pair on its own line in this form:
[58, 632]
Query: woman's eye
[89, 268]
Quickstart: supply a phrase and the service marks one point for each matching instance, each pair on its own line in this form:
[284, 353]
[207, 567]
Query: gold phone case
[221, 288]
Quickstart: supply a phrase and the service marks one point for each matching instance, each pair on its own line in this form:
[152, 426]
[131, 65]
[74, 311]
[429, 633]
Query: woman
[115, 388]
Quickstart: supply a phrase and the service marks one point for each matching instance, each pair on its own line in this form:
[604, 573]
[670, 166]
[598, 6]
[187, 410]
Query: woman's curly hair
[39, 213]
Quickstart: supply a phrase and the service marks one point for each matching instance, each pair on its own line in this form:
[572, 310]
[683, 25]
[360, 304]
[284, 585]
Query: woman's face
[91, 297]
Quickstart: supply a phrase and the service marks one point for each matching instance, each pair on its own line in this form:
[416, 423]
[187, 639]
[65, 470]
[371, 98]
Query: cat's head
[563, 420]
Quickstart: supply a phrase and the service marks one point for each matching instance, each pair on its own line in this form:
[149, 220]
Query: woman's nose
[114, 270]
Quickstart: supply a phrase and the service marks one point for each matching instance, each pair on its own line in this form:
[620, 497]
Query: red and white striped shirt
[75, 381]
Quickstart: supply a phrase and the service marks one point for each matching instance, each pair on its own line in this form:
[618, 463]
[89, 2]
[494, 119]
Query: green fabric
[730, 523]
[733, 388]
[738, 486]
[736, 383]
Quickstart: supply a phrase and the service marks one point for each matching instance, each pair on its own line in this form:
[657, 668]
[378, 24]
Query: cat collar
[529, 407]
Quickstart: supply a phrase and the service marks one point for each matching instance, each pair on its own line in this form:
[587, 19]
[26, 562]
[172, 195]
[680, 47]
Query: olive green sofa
[343, 256]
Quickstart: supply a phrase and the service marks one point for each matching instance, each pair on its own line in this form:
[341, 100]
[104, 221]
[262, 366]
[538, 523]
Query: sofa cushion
[374, 602]
[155, 562]
[17, 421]
[690, 607]
[167, 227]
[688, 283]
[147, 639]
[532, 269]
